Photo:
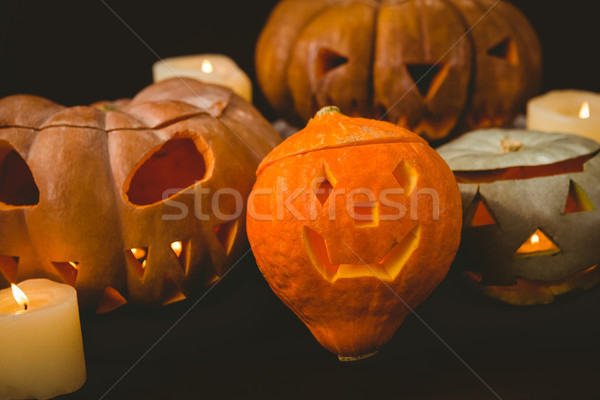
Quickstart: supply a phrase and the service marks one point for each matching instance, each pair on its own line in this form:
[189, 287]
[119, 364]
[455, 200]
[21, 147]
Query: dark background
[78, 52]
[240, 340]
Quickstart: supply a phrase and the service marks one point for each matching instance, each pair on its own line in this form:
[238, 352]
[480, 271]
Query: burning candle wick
[19, 296]
[207, 67]
[584, 112]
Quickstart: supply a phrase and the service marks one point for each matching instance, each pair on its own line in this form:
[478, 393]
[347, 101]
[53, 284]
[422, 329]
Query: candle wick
[25, 306]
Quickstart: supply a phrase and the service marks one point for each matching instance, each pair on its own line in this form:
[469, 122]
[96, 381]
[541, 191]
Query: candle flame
[138, 253]
[535, 239]
[74, 265]
[584, 113]
[19, 296]
[177, 247]
[207, 67]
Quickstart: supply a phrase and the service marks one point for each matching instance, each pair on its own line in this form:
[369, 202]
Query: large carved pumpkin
[530, 201]
[122, 200]
[426, 65]
[353, 222]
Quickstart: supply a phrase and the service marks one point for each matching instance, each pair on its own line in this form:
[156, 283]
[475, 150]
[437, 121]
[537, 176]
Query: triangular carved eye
[577, 200]
[139, 259]
[182, 251]
[172, 293]
[68, 270]
[506, 49]
[111, 300]
[173, 167]
[328, 60]
[406, 176]
[323, 184]
[427, 77]
[226, 234]
[482, 215]
[538, 244]
[17, 187]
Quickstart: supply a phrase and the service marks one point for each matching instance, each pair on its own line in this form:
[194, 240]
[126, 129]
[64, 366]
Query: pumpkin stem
[328, 110]
[510, 146]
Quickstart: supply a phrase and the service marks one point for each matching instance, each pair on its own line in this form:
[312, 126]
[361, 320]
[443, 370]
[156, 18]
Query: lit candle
[41, 351]
[566, 111]
[210, 68]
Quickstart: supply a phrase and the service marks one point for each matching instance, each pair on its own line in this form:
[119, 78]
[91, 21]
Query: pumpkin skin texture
[91, 213]
[531, 220]
[480, 61]
[350, 276]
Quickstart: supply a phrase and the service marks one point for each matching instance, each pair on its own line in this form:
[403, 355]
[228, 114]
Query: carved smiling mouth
[387, 269]
[528, 292]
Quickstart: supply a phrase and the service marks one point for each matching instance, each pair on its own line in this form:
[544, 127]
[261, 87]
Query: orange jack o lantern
[116, 199]
[353, 222]
[431, 66]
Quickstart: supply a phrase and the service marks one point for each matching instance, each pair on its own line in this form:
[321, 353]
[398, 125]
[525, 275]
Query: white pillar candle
[209, 68]
[566, 111]
[41, 350]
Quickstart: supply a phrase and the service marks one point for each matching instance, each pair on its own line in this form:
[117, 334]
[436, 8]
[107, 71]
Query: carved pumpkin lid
[331, 129]
[490, 149]
[155, 106]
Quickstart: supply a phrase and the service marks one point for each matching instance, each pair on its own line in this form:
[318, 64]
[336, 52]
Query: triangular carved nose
[427, 77]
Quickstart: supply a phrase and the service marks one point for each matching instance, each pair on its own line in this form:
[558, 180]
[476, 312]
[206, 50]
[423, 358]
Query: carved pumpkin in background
[81, 191]
[427, 65]
[530, 201]
[351, 221]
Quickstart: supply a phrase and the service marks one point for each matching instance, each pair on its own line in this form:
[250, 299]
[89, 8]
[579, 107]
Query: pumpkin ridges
[452, 105]
[344, 85]
[514, 82]
[81, 159]
[13, 111]
[533, 56]
[352, 316]
[396, 89]
[532, 200]
[269, 47]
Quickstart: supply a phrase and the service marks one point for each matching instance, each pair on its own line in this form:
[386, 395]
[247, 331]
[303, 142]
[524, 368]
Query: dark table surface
[239, 340]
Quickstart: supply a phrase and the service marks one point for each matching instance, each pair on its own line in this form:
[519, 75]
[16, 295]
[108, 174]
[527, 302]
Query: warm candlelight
[41, 351]
[567, 111]
[207, 67]
[177, 247]
[19, 296]
[210, 68]
[584, 113]
[537, 244]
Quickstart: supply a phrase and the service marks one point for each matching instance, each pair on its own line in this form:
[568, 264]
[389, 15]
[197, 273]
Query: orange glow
[584, 113]
[538, 244]
[207, 67]
[138, 253]
[177, 247]
[19, 296]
